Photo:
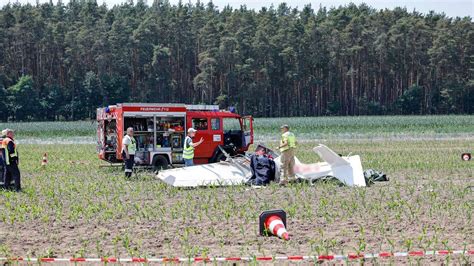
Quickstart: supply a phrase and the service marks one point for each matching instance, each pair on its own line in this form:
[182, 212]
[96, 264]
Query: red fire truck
[160, 130]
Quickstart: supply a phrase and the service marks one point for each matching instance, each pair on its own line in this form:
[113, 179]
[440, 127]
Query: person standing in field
[189, 146]
[129, 147]
[2, 162]
[10, 156]
[3, 171]
[287, 148]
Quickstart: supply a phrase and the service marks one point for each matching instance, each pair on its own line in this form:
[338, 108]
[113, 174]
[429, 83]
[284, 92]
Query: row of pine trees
[62, 61]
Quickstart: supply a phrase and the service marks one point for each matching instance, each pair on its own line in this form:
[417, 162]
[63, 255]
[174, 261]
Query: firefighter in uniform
[10, 156]
[2, 162]
[287, 149]
[189, 145]
[3, 166]
[129, 147]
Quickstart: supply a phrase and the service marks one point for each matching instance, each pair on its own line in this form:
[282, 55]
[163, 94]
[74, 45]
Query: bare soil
[85, 211]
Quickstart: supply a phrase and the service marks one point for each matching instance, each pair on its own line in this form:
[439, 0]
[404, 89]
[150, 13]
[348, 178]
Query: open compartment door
[247, 129]
[100, 139]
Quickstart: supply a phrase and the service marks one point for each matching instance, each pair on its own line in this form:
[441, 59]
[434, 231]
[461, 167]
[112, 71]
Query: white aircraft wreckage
[235, 171]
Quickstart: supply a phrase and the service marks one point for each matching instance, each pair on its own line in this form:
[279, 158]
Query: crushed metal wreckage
[236, 170]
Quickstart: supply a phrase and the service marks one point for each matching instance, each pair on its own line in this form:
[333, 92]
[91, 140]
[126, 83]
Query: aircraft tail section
[329, 155]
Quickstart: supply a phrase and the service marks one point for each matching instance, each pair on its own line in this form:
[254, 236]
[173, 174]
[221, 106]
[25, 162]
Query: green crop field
[73, 207]
[306, 127]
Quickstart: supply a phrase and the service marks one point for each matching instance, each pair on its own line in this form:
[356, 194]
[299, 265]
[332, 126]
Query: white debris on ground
[236, 171]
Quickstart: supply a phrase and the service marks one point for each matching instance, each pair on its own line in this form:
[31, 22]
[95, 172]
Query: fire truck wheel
[159, 163]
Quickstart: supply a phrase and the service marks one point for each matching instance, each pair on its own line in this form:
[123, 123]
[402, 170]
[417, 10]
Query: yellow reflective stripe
[189, 150]
[7, 157]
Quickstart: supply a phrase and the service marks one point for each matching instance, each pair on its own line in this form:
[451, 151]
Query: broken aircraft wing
[232, 172]
[236, 171]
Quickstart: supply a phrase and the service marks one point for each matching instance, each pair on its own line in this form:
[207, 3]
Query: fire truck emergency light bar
[202, 107]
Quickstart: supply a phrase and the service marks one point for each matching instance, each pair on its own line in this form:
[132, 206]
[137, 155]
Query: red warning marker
[273, 222]
[44, 162]
[466, 156]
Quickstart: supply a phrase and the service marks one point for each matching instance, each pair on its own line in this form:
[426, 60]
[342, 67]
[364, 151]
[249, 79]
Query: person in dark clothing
[263, 168]
[10, 156]
[2, 162]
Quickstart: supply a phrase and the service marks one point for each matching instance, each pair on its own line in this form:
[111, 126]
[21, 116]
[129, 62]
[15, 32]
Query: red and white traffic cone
[466, 156]
[44, 162]
[273, 222]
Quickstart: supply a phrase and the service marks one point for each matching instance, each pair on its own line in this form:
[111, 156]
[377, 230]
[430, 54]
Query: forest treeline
[62, 61]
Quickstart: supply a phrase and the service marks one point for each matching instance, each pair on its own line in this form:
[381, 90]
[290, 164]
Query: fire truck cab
[160, 130]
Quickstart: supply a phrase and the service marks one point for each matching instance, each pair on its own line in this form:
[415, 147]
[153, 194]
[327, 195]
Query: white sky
[451, 8]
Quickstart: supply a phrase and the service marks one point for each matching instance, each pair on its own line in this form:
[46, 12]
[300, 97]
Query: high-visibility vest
[291, 140]
[9, 155]
[188, 152]
[132, 147]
